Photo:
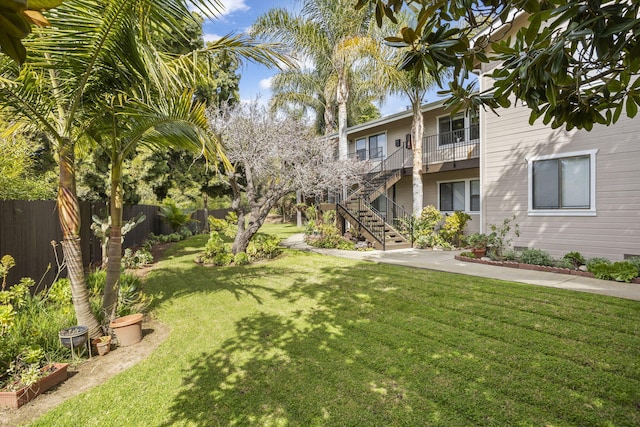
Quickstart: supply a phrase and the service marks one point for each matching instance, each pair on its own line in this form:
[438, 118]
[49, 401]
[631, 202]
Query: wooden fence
[28, 228]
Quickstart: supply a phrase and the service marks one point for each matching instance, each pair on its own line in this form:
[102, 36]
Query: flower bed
[524, 266]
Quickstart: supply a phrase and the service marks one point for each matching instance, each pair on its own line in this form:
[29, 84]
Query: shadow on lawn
[372, 345]
[305, 367]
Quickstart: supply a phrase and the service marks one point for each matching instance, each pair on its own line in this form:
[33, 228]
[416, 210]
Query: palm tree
[336, 39]
[91, 47]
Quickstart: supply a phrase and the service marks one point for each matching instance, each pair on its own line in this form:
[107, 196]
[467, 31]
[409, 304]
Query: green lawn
[315, 340]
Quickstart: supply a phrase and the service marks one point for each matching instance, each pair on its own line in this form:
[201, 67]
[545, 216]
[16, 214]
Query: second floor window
[458, 128]
[372, 147]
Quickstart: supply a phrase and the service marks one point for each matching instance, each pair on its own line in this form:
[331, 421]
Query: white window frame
[467, 129]
[467, 195]
[591, 211]
[366, 143]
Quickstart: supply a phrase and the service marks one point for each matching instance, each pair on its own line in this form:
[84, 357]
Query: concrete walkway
[445, 261]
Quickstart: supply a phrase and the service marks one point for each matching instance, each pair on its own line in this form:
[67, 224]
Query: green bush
[595, 261]
[536, 257]
[241, 258]
[636, 262]
[575, 259]
[216, 224]
[174, 216]
[454, 226]
[263, 246]
[136, 259]
[621, 271]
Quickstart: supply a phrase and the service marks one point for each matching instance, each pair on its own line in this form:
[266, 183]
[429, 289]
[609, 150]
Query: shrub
[174, 216]
[241, 258]
[575, 259]
[136, 259]
[621, 271]
[536, 257]
[454, 226]
[636, 262]
[468, 254]
[501, 236]
[214, 246]
[216, 224]
[592, 262]
[264, 246]
[329, 238]
[60, 292]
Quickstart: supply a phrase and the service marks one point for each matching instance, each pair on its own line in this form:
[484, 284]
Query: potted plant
[74, 337]
[478, 243]
[102, 344]
[28, 377]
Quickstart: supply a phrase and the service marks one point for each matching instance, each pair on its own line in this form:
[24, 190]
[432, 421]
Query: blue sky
[237, 17]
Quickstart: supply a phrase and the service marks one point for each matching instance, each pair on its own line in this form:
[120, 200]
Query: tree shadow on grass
[382, 345]
[318, 363]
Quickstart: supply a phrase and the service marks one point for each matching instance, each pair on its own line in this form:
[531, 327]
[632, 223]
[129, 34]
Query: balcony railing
[452, 146]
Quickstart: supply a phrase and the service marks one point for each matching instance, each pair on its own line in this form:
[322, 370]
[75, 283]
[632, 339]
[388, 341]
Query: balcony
[458, 145]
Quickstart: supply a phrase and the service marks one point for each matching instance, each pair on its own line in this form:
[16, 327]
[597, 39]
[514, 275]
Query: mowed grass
[312, 340]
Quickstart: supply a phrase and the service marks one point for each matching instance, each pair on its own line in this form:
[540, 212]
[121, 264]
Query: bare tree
[272, 156]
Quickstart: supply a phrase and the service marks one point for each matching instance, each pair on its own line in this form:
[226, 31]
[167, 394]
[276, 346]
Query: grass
[308, 340]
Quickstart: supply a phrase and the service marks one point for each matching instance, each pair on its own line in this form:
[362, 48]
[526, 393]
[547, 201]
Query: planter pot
[15, 399]
[74, 337]
[128, 329]
[102, 345]
[479, 253]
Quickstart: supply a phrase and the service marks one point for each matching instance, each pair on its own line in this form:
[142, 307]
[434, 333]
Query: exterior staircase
[364, 218]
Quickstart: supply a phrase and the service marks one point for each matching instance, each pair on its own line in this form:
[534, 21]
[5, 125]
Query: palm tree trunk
[69, 215]
[110, 299]
[417, 130]
[343, 97]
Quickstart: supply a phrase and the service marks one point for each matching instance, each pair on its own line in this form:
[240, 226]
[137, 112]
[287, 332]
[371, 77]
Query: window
[361, 149]
[460, 196]
[474, 195]
[376, 146]
[562, 184]
[458, 128]
[450, 129]
[371, 147]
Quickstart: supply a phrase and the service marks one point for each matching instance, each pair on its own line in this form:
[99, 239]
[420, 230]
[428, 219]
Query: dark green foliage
[621, 271]
[574, 258]
[174, 216]
[537, 65]
[636, 262]
[536, 257]
[596, 260]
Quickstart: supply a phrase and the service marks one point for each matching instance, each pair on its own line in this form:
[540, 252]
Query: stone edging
[514, 264]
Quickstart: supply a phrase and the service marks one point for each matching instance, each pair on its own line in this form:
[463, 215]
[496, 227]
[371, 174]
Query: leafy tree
[573, 63]
[20, 176]
[337, 40]
[66, 89]
[16, 18]
[272, 156]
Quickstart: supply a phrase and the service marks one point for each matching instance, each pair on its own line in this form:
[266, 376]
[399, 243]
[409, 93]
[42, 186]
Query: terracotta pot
[128, 329]
[15, 399]
[479, 253]
[102, 345]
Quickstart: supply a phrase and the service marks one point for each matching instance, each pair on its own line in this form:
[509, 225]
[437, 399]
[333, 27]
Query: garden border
[523, 266]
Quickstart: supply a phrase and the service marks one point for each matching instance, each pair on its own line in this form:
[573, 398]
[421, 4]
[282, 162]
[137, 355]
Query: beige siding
[398, 129]
[508, 141]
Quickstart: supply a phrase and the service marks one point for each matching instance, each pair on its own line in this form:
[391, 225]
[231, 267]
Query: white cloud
[228, 7]
[266, 83]
[210, 37]
[231, 6]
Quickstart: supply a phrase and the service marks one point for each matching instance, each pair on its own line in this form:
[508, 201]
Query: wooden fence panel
[27, 229]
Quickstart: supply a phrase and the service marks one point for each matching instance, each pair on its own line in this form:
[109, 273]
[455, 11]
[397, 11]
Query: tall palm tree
[91, 47]
[336, 39]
